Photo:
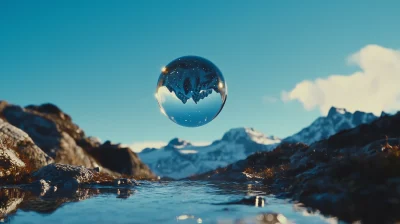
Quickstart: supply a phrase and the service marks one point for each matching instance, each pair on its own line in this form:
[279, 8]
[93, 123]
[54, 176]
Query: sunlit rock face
[62, 141]
[191, 91]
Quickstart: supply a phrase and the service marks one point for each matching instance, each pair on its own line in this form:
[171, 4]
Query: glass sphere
[191, 91]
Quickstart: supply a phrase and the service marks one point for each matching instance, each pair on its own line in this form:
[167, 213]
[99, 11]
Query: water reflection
[12, 199]
[256, 201]
[153, 202]
[264, 218]
[225, 188]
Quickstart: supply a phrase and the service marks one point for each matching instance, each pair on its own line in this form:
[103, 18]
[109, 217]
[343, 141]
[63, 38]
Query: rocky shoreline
[41, 147]
[41, 135]
[43, 154]
[353, 175]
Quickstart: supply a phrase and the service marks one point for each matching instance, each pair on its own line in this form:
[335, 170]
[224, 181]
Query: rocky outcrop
[17, 140]
[11, 167]
[259, 166]
[67, 177]
[63, 141]
[121, 159]
[353, 175]
[19, 156]
[53, 132]
[62, 173]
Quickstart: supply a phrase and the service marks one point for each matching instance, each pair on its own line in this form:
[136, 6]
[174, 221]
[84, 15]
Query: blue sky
[100, 60]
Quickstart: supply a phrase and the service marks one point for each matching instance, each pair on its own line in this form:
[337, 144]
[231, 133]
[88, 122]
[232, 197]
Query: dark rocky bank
[41, 149]
[353, 175]
[46, 160]
[44, 134]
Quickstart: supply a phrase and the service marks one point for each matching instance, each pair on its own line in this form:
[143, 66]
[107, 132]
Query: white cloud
[269, 99]
[139, 146]
[375, 88]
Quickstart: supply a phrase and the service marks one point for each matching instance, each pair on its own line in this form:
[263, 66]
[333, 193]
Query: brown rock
[19, 141]
[122, 160]
[10, 165]
[55, 133]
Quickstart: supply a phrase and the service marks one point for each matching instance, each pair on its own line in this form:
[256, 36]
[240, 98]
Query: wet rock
[125, 182]
[69, 177]
[66, 174]
[352, 175]
[70, 184]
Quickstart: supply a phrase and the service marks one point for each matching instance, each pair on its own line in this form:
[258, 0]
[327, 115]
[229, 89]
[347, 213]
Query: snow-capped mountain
[338, 119]
[181, 159]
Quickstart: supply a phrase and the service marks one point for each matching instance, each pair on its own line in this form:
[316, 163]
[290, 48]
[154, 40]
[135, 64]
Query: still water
[156, 202]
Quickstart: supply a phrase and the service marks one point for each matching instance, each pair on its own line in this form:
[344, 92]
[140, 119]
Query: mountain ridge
[180, 159]
[338, 119]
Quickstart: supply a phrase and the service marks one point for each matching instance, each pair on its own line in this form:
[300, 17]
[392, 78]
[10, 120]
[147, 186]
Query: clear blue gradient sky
[100, 60]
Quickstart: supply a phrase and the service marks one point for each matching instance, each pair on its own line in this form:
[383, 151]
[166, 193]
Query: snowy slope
[181, 159]
[338, 119]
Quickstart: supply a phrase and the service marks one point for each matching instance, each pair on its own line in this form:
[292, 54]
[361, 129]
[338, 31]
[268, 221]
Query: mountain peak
[181, 159]
[383, 114]
[236, 134]
[177, 143]
[334, 110]
[338, 119]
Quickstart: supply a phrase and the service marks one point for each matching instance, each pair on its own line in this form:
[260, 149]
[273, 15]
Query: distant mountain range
[181, 159]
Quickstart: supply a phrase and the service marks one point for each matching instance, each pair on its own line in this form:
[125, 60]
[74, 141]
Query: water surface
[158, 202]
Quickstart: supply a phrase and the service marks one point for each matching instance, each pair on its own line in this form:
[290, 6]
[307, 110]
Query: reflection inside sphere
[191, 91]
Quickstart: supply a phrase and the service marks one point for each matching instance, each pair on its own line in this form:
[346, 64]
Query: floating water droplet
[191, 91]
